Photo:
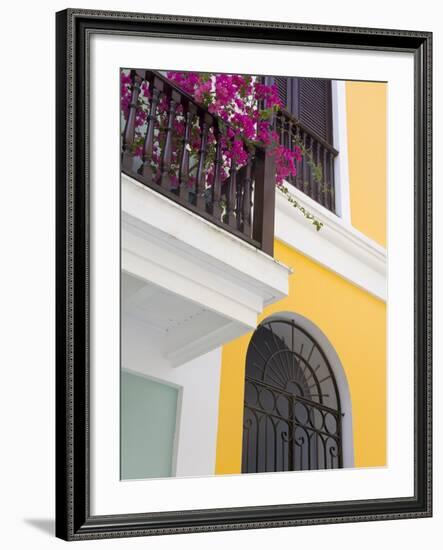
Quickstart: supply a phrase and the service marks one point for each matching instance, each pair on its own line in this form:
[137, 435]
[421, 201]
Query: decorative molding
[337, 246]
[196, 262]
[181, 229]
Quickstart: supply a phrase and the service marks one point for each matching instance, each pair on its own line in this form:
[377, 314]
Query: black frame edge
[61, 493]
[423, 270]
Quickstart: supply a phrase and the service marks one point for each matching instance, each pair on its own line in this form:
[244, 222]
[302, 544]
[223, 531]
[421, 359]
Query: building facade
[338, 287]
[250, 351]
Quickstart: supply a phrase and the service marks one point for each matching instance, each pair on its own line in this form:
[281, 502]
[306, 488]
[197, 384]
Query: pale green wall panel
[148, 423]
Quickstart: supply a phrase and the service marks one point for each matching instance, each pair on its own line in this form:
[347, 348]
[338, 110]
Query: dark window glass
[309, 100]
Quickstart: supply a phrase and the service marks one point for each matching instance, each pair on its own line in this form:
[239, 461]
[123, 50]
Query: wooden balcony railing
[315, 170]
[242, 203]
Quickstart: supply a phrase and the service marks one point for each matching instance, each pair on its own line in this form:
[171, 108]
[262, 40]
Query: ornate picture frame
[74, 369]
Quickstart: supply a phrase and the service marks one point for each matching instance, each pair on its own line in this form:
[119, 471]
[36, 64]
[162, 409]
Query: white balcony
[198, 285]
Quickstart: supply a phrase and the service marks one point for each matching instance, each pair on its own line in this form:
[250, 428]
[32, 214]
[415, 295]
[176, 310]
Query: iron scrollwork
[292, 413]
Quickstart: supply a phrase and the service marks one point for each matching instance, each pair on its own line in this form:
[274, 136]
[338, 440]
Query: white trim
[337, 246]
[149, 269]
[199, 384]
[199, 346]
[340, 138]
[196, 262]
[340, 378]
[154, 213]
[108, 495]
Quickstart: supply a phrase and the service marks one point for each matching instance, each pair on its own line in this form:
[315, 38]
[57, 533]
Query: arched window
[292, 408]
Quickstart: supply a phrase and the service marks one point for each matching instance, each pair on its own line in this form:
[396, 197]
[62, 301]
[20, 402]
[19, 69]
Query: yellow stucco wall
[366, 126]
[355, 324]
[353, 320]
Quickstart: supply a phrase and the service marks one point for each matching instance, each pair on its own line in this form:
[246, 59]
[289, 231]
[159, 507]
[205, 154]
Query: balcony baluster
[146, 171]
[231, 195]
[246, 204]
[200, 184]
[331, 180]
[253, 183]
[216, 188]
[129, 131]
[184, 162]
[166, 157]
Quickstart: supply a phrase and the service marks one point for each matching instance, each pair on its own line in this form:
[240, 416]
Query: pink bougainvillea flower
[244, 107]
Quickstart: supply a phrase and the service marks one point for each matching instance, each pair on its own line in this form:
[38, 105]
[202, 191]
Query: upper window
[310, 101]
[306, 120]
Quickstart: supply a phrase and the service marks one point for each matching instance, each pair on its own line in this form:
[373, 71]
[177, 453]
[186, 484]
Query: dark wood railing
[243, 203]
[315, 170]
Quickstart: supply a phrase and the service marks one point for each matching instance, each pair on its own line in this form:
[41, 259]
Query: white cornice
[337, 246]
[194, 261]
[190, 235]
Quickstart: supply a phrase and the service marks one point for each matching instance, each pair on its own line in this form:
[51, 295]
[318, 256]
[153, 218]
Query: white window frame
[340, 142]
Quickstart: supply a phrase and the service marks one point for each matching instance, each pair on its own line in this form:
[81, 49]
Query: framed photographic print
[243, 274]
